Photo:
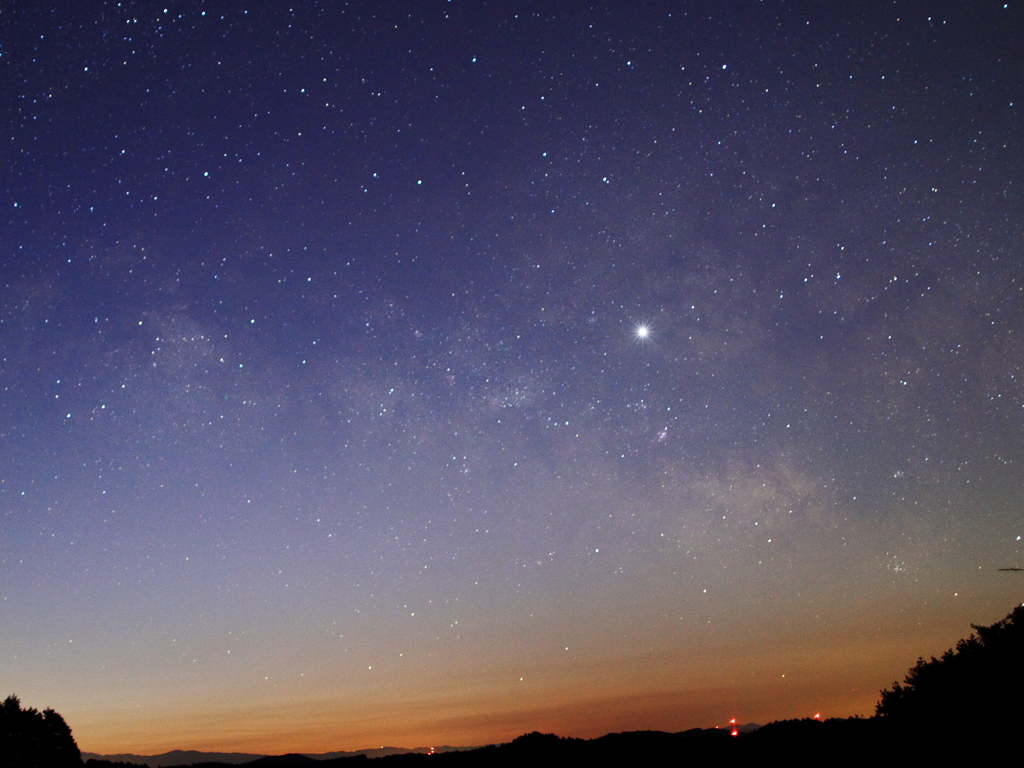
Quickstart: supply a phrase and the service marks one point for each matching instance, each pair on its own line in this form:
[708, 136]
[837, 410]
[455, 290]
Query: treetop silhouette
[978, 682]
[31, 739]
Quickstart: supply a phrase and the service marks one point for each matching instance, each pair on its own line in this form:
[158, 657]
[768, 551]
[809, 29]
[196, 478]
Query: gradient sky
[326, 420]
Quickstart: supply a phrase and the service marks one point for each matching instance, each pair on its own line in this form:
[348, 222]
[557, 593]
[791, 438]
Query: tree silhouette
[29, 738]
[977, 684]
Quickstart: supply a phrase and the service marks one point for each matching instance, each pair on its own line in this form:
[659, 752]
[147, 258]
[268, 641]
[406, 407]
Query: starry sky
[431, 372]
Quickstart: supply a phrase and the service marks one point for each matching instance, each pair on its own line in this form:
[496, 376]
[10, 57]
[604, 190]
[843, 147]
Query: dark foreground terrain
[800, 742]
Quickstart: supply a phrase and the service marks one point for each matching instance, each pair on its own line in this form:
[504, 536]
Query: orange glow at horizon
[669, 692]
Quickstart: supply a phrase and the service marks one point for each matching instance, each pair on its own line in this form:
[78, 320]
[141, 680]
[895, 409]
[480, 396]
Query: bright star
[642, 331]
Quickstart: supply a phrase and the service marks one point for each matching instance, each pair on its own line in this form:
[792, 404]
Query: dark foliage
[976, 684]
[29, 738]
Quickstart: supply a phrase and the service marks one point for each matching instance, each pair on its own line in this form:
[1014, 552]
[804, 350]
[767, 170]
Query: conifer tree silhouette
[33, 739]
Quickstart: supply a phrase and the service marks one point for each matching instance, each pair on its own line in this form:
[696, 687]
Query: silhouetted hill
[542, 749]
[177, 757]
[855, 741]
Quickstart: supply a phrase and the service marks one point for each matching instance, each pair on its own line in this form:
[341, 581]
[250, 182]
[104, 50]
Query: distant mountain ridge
[178, 757]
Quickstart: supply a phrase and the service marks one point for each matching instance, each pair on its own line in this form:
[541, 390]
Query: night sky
[431, 372]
